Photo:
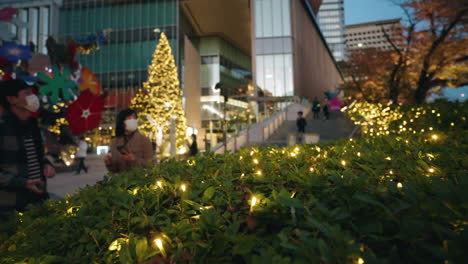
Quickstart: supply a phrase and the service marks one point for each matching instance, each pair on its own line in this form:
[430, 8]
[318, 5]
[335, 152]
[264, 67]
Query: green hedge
[399, 198]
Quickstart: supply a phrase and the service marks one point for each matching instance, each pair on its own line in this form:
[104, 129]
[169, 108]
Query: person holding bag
[129, 148]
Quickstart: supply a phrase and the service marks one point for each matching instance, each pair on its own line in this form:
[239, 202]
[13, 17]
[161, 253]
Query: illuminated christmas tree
[159, 99]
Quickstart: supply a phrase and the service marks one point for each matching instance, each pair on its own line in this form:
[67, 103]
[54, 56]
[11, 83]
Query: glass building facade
[121, 64]
[331, 20]
[274, 60]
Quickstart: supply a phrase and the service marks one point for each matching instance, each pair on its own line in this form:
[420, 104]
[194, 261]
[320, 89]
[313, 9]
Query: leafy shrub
[398, 198]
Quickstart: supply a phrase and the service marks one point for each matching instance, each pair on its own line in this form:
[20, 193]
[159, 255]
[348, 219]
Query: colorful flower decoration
[85, 113]
[89, 81]
[58, 86]
[7, 13]
[14, 52]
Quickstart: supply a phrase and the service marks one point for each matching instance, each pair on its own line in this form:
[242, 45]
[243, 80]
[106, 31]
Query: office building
[374, 34]
[331, 20]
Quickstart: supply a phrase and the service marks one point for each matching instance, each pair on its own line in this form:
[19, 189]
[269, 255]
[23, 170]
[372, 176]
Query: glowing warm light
[311, 169]
[67, 163]
[253, 202]
[72, 156]
[399, 185]
[293, 154]
[430, 128]
[240, 158]
[360, 261]
[259, 173]
[159, 244]
[452, 124]
[431, 170]
[388, 158]
[391, 171]
[255, 161]
[242, 175]
[359, 154]
[115, 245]
[343, 163]
[159, 184]
[183, 187]
[435, 137]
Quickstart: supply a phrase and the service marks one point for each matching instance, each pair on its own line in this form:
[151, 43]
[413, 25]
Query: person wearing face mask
[23, 168]
[129, 148]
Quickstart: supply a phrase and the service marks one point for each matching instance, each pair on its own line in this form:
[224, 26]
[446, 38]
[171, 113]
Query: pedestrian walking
[81, 155]
[326, 110]
[301, 123]
[24, 170]
[316, 108]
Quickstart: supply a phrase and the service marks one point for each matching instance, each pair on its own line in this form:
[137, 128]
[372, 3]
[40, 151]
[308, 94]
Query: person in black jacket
[23, 168]
[301, 123]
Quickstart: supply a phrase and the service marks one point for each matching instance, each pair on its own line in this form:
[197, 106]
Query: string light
[159, 244]
[359, 154]
[431, 170]
[434, 137]
[183, 187]
[255, 161]
[253, 202]
[343, 162]
[360, 261]
[259, 173]
[399, 185]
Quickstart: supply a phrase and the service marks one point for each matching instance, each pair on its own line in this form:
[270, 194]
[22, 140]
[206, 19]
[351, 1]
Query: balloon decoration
[7, 13]
[85, 113]
[52, 73]
[335, 103]
[88, 81]
[39, 63]
[91, 42]
[58, 87]
[14, 52]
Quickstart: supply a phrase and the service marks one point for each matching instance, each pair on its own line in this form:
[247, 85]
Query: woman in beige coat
[129, 148]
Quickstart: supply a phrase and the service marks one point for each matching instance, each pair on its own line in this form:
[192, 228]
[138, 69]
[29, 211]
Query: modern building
[374, 34]
[331, 20]
[259, 49]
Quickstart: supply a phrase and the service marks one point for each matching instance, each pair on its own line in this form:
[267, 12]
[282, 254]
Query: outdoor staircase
[338, 126]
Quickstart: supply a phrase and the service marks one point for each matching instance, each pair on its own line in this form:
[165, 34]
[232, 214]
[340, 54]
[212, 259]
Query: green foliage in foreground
[390, 199]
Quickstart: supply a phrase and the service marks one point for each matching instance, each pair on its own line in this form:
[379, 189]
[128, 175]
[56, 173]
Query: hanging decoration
[89, 81]
[39, 63]
[14, 52]
[7, 13]
[58, 87]
[85, 113]
[92, 41]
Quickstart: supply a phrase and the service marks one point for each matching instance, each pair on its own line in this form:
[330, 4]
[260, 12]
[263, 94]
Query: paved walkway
[338, 126]
[67, 182]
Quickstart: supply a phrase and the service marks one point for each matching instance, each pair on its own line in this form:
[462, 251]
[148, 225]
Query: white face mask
[131, 125]
[32, 103]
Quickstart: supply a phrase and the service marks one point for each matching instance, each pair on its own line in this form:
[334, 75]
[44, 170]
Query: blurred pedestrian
[24, 170]
[316, 108]
[81, 155]
[301, 123]
[193, 147]
[326, 110]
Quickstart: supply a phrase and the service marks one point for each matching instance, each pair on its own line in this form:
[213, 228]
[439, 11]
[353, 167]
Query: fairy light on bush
[160, 246]
[255, 161]
[253, 202]
[431, 170]
[343, 163]
[259, 172]
[183, 187]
